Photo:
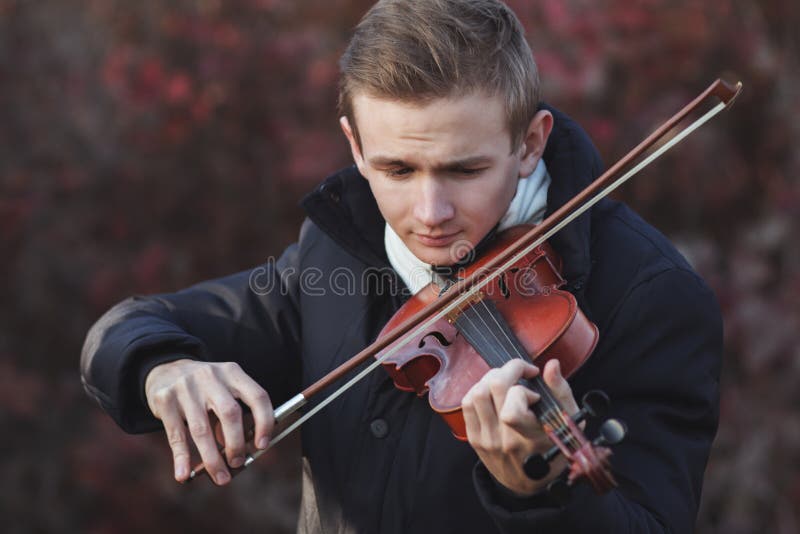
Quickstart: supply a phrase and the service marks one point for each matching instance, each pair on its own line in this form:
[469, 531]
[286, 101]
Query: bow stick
[464, 289]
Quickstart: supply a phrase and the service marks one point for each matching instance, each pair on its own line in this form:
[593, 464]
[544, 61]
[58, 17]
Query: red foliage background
[145, 146]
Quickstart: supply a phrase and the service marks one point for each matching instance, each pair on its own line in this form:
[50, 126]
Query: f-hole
[501, 281]
[439, 337]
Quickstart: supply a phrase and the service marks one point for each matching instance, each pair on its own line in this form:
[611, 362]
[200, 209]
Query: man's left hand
[503, 429]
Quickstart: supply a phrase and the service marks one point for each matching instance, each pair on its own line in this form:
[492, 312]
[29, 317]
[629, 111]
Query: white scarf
[528, 206]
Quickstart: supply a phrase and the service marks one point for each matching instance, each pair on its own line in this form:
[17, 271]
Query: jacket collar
[344, 208]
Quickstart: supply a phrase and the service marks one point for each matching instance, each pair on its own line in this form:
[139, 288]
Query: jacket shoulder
[626, 253]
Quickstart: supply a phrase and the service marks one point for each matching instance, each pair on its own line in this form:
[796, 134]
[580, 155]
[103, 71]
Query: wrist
[520, 485]
[147, 376]
[508, 498]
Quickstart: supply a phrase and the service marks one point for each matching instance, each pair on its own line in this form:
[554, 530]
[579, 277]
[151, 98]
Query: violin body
[545, 318]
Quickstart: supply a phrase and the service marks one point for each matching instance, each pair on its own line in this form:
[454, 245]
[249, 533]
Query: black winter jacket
[377, 459]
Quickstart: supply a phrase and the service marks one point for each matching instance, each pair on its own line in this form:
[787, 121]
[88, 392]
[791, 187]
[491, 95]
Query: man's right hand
[183, 392]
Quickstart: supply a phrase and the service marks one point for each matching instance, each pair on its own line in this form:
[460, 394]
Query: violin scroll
[588, 459]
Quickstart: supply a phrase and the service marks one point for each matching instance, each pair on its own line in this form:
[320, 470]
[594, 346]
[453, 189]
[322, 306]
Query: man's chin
[439, 257]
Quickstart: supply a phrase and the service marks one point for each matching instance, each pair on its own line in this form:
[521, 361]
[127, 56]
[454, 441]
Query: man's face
[443, 173]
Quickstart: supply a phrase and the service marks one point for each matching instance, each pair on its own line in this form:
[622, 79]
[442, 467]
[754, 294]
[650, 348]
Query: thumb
[559, 386]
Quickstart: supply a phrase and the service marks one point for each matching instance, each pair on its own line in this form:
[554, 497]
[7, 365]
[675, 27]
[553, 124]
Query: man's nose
[433, 205]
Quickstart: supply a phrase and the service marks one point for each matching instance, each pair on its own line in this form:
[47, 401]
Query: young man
[439, 102]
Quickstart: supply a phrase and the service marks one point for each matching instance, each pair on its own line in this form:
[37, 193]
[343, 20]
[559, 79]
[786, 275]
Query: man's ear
[354, 148]
[535, 141]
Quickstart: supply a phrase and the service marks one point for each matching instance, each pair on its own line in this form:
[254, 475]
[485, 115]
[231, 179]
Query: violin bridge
[453, 315]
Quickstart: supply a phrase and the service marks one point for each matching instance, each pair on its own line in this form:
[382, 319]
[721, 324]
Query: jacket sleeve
[251, 318]
[662, 358]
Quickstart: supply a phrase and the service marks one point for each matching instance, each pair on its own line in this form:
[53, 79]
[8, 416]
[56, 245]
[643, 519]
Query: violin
[509, 304]
[523, 314]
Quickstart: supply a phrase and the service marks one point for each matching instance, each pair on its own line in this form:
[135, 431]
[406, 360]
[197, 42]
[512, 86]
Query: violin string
[503, 351]
[553, 408]
[487, 350]
[552, 413]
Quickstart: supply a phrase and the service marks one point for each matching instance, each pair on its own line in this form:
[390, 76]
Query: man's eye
[470, 171]
[398, 172]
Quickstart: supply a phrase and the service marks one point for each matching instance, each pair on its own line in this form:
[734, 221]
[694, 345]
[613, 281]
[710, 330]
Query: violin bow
[463, 290]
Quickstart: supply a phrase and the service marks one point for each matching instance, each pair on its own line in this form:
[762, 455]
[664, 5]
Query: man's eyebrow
[472, 161]
[385, 161]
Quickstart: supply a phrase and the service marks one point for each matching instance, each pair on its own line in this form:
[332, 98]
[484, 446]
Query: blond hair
[420, 50]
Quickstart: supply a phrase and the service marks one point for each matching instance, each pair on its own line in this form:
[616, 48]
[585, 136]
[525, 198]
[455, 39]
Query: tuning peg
[611, 432]
[536, 466]
[595, 403]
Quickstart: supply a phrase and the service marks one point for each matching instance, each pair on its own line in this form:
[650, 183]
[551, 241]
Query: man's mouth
[436, 240]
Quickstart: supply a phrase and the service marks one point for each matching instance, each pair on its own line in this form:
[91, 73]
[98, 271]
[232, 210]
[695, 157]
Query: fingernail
[237, 462]
[263, 442]
[222, 477]
[180, 472]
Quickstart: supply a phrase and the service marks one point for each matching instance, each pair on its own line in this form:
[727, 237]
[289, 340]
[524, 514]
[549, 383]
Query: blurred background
[145, 146]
